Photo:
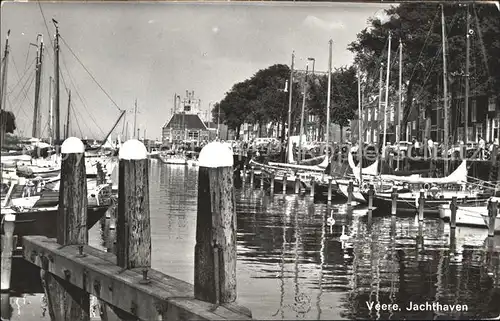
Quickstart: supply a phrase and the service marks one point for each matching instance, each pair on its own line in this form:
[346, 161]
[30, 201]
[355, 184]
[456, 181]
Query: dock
[123, 282]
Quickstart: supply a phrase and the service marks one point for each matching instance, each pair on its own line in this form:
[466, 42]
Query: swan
[330, 220]
[344, 237]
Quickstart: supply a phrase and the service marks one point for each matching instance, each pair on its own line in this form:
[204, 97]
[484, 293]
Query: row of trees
[261, 99]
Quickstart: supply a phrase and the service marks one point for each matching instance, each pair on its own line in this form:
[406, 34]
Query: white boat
[470, 216]
[173, 159]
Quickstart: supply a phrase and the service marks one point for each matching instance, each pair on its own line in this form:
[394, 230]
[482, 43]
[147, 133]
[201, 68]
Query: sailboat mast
[36, 113]
[328, 100]
[290, 105]
[66, 134]
[56, 86]
[399, 114]
[3, 88]
[360, 131]
[50, 122]
[386, 103]
[399, 134]
[135, 119]
[379, 114]
[467, 66]
[445, 93]
[302, 113]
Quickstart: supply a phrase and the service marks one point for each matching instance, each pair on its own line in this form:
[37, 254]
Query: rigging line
[17, 71]
[77, 122]
[20, 78]
[71, 79]
[23, 89]
[91, 76]
[25, 96]
[27, 54]
[46, 25]
[22, 109]
[481, 42]
[425, 42]
[77, 111]
[422, 89]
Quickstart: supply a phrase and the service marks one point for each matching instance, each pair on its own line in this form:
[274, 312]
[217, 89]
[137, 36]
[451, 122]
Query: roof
[188, 121]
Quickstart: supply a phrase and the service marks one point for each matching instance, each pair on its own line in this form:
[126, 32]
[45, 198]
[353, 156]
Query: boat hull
[44, 222]
[432, 206]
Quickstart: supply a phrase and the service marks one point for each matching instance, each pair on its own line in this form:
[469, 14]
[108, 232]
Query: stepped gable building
[185, 124]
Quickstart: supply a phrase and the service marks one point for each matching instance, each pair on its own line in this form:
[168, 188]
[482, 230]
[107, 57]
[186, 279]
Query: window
[491, 104]
[460, 133]
[470, 134]
[479, 131]
[473, 111]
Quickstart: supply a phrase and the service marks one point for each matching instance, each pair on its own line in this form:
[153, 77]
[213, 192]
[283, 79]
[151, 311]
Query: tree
[419, 28]
[7, 123]
[344, 96]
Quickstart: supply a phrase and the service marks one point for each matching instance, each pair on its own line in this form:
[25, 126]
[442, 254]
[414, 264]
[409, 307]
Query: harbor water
[296, 261]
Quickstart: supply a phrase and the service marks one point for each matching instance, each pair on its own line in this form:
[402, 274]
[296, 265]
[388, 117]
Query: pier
[124, 283]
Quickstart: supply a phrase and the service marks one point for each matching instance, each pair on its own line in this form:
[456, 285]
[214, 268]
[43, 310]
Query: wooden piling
[5, 307]
[371, 193]
[65, 301]
[312, 187]
[394, 197]
[421, 204]
[7, 248]
[329, 197]
[215, 250]
[492, 214]
[271, 187]
[244, 176]
[284, 183]
[133, 227]
[453, 209]
[252, 169]
[297, 184]
[350, 189]
[262, 176]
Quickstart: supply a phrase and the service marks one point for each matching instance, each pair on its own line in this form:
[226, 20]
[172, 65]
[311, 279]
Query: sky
[151, 51]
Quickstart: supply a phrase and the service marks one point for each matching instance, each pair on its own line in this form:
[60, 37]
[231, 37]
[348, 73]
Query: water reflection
[293, 264]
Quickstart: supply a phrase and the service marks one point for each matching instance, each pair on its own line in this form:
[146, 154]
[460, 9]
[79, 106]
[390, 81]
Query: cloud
[315, 22]
[215, 29]
[151, 21]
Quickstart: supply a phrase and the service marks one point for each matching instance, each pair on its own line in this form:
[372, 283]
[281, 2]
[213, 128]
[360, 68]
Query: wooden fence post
[215, 250]
[65, 301]
[133, 227]
[297, 184]
[284, 183]
[312, 187]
